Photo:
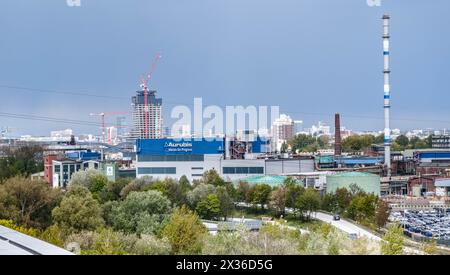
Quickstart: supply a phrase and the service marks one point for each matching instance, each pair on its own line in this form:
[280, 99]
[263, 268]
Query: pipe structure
[387, 94]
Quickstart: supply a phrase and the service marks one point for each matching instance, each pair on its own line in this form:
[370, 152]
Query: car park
[428, 223]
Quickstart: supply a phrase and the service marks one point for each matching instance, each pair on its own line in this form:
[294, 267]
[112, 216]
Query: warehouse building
[232, 159]
[369, 183]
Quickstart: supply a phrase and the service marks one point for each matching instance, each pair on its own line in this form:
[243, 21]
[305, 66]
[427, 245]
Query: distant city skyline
[312, 58]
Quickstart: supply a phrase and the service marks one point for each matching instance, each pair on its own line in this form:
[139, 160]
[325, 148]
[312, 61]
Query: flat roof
[442, 183]
[15, 243]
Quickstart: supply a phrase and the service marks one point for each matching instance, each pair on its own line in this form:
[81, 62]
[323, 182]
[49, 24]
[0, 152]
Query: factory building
[369, 183]
[232, 159]
[440, 141]
[147, 121]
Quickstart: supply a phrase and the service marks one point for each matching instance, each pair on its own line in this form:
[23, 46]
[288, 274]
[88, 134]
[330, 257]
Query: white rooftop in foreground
[16, 243]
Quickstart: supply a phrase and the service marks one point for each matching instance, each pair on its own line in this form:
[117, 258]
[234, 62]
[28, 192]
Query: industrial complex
[148, 149]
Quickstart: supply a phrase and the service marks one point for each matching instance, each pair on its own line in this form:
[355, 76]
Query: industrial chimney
[387, 95]
[337, 135]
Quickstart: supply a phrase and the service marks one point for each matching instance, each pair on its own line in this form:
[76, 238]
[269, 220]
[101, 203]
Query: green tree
[114, 188]
[260, 194]
[402, 141]
[242, 192]
[200, 192]
[308, 202]
[363, 208]
[323, 141]
[209, 207]
[226, 201]
[284, 148]
[185, 184]
[185, 232]
[141, 212]
[213, 178]
[23, 160]
[393, 241]
[382, 213]
[28, 202]
[379, 139]
[173, 190]
[293, 191]
[278, 200]
[137, 184]
[356, 143]
[93, 180]
[301, 142]
[78, 211]
[343, 199]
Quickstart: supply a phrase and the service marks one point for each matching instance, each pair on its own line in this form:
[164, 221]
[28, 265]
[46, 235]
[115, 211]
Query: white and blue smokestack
[387, 95]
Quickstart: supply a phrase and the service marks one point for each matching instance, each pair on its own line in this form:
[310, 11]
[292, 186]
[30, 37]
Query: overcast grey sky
[311, 57]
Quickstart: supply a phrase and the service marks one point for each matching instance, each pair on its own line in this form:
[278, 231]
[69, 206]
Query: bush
[185, 232]
[140, 212]
[78, 211]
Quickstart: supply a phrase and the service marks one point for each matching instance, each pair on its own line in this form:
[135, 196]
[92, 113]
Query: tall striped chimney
[387, 95]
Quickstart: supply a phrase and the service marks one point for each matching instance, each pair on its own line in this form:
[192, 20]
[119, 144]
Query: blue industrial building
[232, 159]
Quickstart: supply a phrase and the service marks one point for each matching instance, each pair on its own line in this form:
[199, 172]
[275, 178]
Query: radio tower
[387, 95]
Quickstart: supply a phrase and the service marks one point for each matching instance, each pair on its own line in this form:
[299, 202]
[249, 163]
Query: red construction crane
[144, 85]
[103, 115]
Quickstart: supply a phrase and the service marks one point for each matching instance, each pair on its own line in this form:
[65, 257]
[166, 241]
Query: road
[345, 226]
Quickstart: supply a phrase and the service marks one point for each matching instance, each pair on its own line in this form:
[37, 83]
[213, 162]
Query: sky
[312, 58]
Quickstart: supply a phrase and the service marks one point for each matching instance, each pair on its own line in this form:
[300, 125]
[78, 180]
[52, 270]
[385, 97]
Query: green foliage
[173, 190]
[94, 181]
[54, 235]
[308, 203]
[430, 247]
[382, 213]
[284, 148]
[28, 202]
[362, 208]
[393, 241]
[259, 194]
[209, 207]
[151, 245]
[24, 161]
[402, 141]
[138, 184]
[213, 178]
[357, 143]
[307, 143]
[226, 201]
[114, 189]
[104, 241]
[185, 232]
[78, 211]
[293, 191]
[242, 192]
[278, 200]
[140, 212]
[28, 231]
[200, 192]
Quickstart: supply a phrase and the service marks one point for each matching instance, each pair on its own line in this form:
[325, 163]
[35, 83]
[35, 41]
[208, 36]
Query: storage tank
[368, 182]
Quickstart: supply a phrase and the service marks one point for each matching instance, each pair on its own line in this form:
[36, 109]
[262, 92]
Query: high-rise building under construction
[147, 122]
